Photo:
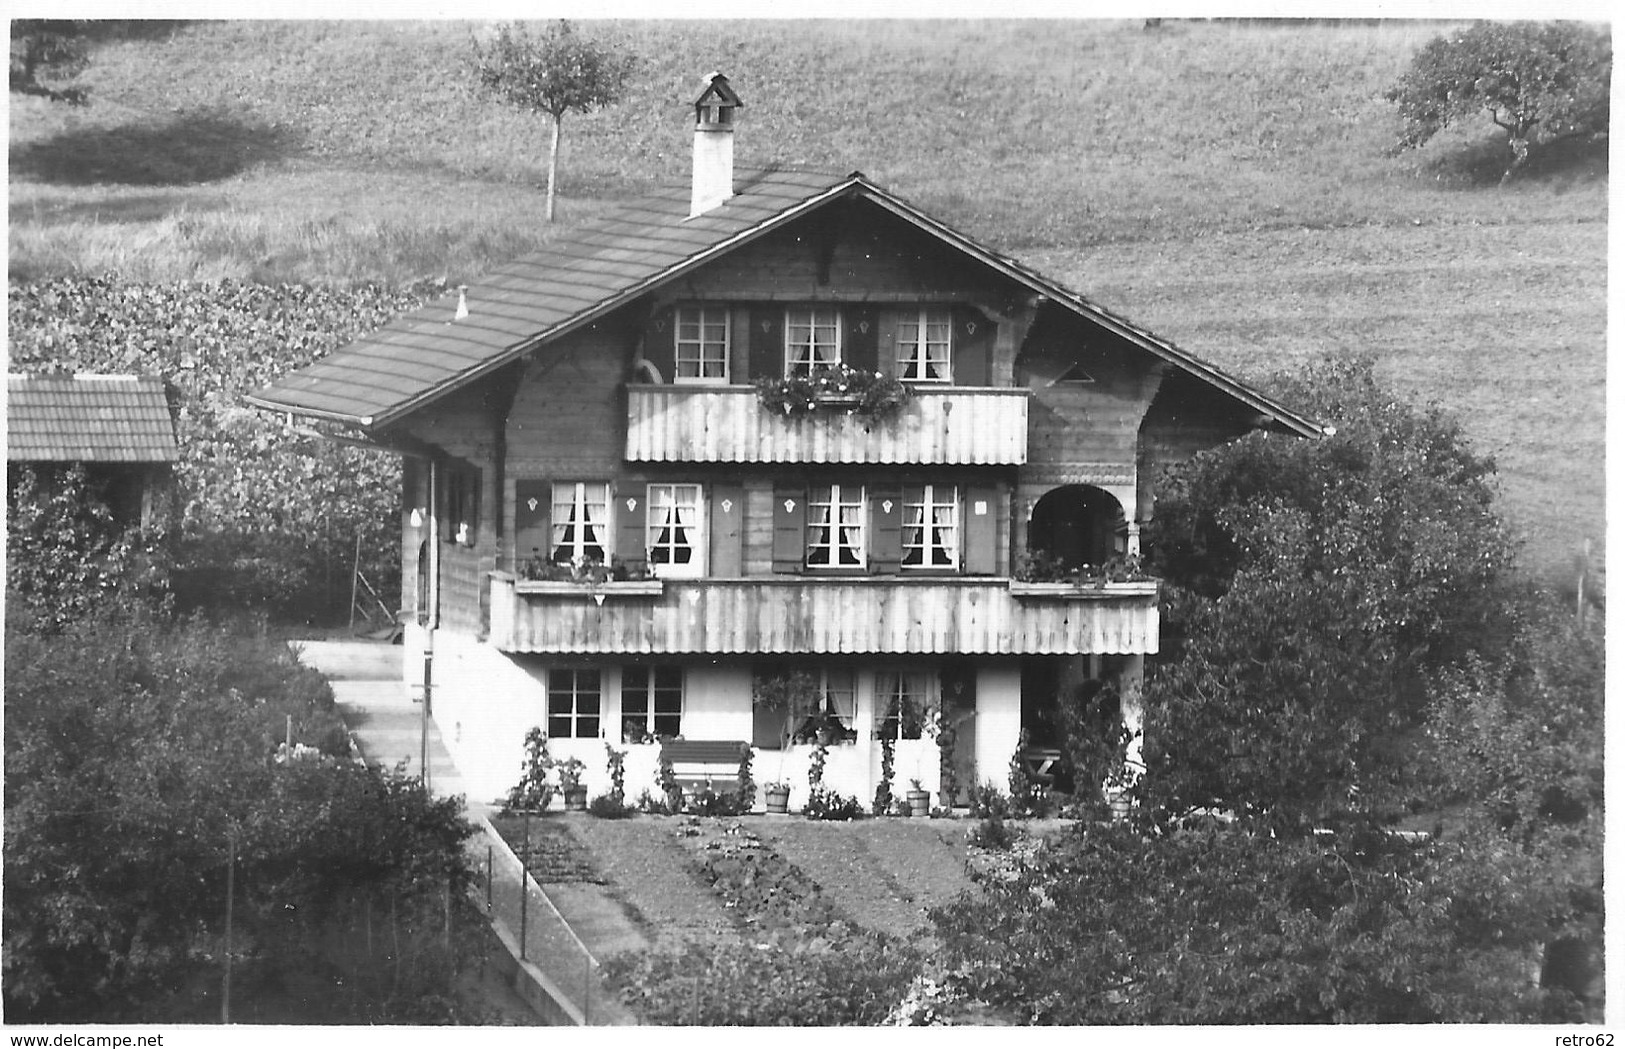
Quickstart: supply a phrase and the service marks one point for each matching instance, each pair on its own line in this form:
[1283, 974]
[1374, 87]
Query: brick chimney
[713, 145]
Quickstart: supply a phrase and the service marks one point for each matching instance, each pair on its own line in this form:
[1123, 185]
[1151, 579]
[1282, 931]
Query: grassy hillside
[1228, 186]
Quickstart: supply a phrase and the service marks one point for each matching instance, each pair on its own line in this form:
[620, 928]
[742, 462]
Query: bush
[1210, 925]
[825, 804]
[989, 801]
[991, 834]
[138, 760]
[609, 807]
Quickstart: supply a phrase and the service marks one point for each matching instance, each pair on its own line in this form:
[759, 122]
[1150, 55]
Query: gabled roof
[88, 418]
[586, 274]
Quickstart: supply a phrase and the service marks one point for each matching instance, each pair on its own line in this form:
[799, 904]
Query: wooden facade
[725, 424]
[745, 617]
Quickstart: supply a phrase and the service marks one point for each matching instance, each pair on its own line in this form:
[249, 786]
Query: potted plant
[570, 785]
[919, 799]
[777, 793]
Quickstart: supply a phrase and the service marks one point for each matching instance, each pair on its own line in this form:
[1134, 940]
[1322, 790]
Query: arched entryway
[1078, 524]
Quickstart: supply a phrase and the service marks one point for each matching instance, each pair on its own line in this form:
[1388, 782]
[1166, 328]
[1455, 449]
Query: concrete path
[389, 728]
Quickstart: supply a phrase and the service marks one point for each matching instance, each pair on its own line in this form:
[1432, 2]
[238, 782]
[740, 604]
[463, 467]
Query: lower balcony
[972, 616]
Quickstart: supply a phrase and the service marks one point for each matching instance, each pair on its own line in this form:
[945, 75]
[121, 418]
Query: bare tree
[555, 74]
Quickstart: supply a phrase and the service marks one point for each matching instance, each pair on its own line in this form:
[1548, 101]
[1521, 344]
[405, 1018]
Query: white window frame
[802, 356]
[700, 351]
[917, 353]
[648, 719]
[659, 499]
[579, 500]
[923, 688]
[927, 500]
[847, 507]
[574, 716]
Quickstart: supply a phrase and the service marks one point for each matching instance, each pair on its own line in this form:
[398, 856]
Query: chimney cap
[717, 92]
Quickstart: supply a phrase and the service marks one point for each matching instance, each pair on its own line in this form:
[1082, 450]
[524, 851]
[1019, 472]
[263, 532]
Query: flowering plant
[872, 396]
[589, 571]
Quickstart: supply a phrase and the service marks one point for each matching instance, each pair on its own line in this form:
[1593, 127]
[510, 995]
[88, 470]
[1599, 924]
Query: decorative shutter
[789, 529]
[727, 521]
[981, 530]
[886, 547]
[886, 341]
[631, 542]
[660, 343]
[766, 342]
[973, 347]
[533, 504]
[861, 337]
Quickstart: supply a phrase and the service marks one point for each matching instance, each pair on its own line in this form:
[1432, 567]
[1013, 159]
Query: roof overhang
[853, 185]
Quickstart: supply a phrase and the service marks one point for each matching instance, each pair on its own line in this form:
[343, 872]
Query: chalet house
[118, 426]
[778, 420]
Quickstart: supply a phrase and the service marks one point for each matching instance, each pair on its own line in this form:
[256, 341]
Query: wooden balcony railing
[887, 615]
[957, 426]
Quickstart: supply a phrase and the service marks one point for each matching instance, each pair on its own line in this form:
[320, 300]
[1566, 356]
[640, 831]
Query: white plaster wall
[998, 723]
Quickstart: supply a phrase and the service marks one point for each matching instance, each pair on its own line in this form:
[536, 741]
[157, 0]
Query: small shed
[121, 427]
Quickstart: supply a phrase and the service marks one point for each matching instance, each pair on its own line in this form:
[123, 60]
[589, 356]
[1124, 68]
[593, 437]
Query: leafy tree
[557, 74]
[54, 49]
[1313, 588]
[1539, 82]
[140, 755]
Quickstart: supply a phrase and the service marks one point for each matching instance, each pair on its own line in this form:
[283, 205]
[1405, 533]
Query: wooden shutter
[660, 343]
[766, 342]
[981, 512]
[533, 506]
[739, 344]
[631, 542]
[886, 544]
[789, 528]
[861, 337]
[727, 521]
[973, 347]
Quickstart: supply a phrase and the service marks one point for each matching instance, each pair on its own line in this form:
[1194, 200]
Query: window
[835, 527]
[930, 526]
[812, 339]
[674, 530]
[925, 346]
[837, 706]
[572, 704]
[902, 703]
[580, 522]
[651, 703]
[702, 344]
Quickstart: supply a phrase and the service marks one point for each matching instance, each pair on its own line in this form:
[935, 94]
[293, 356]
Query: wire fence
[545, 939]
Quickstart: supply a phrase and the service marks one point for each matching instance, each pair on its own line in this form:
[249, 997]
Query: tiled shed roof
[88, 418]
[589, 272]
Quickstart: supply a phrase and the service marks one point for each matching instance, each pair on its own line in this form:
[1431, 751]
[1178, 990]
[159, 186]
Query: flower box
[613, 588]
[1083, 591]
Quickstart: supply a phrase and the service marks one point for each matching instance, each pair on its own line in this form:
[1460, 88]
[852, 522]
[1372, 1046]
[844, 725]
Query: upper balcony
[806, 614]
[948, 426]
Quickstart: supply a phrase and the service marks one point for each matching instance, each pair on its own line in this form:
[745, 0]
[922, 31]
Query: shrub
[1210, 925]
[988, 800]
[533, 792]
[831, 805]
[609, 807]
[991, 834]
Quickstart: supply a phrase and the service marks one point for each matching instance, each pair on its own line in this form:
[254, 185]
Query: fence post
[524, 890]
[489, 858]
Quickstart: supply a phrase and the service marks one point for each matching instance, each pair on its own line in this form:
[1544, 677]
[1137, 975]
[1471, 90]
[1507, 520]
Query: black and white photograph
[806, 516]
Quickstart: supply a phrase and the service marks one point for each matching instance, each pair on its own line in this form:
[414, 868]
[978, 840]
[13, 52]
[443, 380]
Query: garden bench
[698, 762]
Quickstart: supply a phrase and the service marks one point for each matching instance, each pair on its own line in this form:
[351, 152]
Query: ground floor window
[835, 707]
[651, 703]
[573, 703]
[903, 702]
